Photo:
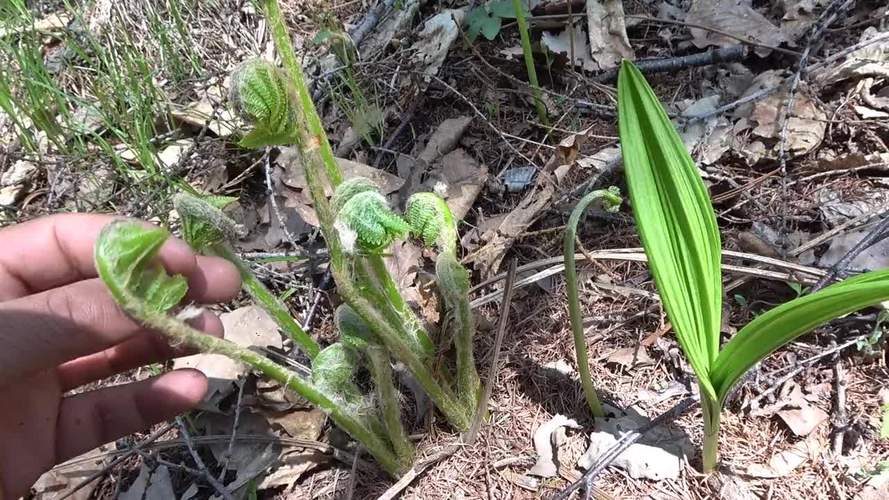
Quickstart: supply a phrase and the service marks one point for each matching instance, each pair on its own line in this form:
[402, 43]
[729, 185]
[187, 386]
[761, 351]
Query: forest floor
[784, 105]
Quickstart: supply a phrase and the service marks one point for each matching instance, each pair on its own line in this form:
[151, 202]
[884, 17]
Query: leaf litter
[822, 139]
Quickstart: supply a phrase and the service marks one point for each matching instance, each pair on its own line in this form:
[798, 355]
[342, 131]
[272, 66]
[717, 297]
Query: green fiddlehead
[431, 221]
[363, 219]
[611, 200]
[261, 95]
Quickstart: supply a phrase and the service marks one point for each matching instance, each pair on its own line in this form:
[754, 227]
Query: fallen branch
[673, 64]
[876, 235]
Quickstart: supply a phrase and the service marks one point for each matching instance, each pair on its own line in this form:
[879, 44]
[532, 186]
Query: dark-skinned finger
[57, 250]
[91, 419]
[143, 349]
[44, 330]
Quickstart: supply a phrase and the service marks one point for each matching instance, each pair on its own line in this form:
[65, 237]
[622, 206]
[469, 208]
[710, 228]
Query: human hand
[60, 329]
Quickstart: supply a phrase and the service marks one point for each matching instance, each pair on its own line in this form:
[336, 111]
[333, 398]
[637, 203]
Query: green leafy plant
[677, 225]
[125, 258]
[486, 19]
[365, 115]
[376, 325]
[611, 200]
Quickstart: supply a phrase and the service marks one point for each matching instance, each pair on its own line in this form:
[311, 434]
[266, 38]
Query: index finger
[58, 249]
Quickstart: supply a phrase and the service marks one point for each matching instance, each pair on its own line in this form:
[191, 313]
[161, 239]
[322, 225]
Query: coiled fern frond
[262, 95]
[431, 221]
[348, 189]
[364, 220]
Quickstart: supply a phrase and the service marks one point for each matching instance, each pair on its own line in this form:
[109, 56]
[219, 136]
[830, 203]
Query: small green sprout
[610, 200]
[678, 229]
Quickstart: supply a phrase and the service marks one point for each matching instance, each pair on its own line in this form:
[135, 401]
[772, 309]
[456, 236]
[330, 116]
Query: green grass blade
[780, 325]
[675, 220]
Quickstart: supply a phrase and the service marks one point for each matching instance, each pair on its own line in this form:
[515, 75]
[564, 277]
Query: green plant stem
[529, 61]
[711, 410]
[412, 323]
[583, 361]
[276, 309]
[453, 282]
[388, 334]
[180, 332]
[369, 285]
[313, 140]
[381, 371]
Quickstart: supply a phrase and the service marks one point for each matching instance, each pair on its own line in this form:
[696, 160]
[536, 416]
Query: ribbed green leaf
[780, 325]
[675, 220]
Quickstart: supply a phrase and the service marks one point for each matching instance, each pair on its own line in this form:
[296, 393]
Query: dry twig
[201, 467]
[509, 288]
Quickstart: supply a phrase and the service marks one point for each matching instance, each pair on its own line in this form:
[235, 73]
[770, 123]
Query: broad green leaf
[125, 259]
[780, 325]
[505, 10]
[675, 220]
[479, 20]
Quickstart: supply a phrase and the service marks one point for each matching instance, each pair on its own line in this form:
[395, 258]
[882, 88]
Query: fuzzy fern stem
[453, 282]
[391, 335]
[381, 372]
[612, 201]
[268, 301]
[417, 333]
[313, 139]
